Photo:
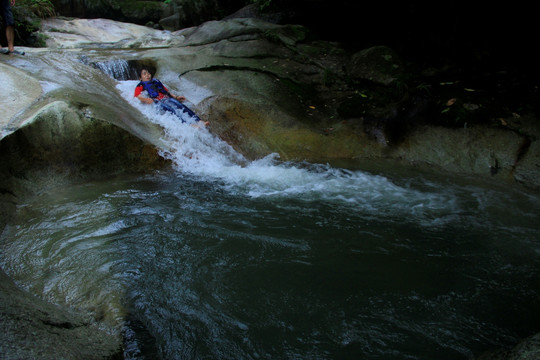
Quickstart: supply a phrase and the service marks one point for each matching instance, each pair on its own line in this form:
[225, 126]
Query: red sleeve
[138, 90]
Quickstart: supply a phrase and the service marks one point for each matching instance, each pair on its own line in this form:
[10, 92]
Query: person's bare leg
[10, 36]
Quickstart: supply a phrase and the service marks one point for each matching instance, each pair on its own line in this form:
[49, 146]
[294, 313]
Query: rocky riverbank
[265, 88]
[313, 100]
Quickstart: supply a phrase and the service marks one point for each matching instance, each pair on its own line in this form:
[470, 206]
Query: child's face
[145, 75]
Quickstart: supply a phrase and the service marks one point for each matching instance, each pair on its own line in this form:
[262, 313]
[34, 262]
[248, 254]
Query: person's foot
[201, 123]
[14, 52]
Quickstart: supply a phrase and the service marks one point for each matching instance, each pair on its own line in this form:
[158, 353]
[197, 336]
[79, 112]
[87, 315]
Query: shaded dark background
[436, 32]
[488, 46]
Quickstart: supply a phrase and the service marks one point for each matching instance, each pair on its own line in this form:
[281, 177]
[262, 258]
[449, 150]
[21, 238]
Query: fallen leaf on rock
[451, 102]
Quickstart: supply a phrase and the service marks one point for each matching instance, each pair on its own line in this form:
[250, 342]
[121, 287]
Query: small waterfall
[117, 69]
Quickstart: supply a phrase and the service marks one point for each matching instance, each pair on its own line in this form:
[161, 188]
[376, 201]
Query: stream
[224, 258]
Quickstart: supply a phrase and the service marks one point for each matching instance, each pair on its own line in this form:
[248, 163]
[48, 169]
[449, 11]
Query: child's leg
[179, 109]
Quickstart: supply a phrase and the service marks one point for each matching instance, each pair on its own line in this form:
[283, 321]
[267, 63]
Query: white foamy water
[198, 152]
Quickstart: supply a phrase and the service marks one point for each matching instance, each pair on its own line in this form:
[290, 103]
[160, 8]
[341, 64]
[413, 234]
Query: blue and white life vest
[154, 87]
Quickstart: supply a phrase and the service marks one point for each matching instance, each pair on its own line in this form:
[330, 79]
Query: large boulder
[482, 151]
[100, 33]
[31, 328]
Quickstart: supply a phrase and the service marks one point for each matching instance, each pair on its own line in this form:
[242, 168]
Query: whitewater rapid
[198, 152]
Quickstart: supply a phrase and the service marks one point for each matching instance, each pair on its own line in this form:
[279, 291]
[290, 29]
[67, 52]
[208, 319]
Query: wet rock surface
[34, 329]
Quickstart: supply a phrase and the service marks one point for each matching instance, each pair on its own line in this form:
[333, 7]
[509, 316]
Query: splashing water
[197, 152]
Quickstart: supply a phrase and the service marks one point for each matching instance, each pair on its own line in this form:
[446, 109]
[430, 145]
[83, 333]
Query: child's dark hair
[151, 71]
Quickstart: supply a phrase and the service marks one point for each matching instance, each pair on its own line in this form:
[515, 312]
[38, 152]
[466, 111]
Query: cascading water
[223, 258]
[117, 69]
[197, 152]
